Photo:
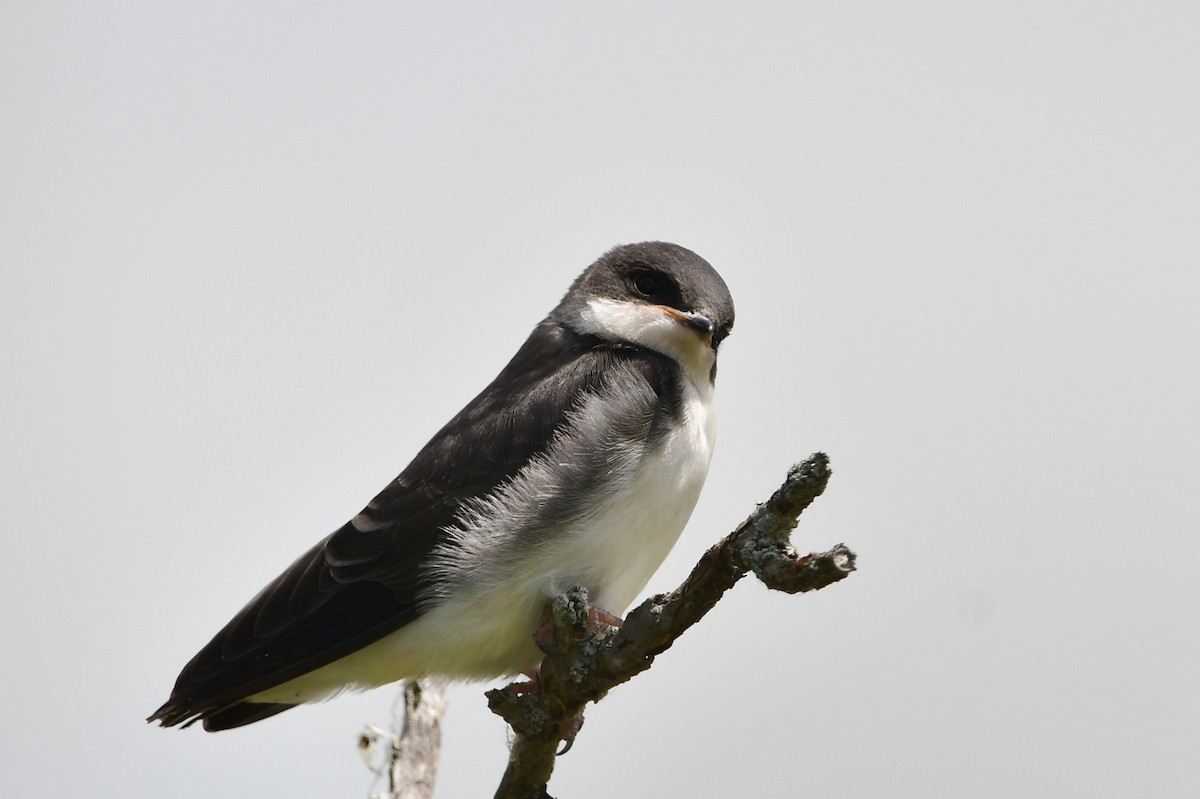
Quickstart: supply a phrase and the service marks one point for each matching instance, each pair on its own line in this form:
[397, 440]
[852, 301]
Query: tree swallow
[579, 465]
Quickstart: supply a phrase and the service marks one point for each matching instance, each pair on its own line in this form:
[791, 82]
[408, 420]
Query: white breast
[491, 613]
[615, 553]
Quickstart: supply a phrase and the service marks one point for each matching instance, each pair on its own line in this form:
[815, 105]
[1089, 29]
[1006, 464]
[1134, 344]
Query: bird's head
[655, 295]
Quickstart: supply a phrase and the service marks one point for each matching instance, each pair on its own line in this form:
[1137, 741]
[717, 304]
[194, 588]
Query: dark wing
[364, 581]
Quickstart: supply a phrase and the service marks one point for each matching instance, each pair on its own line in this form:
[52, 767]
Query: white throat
[651, 326]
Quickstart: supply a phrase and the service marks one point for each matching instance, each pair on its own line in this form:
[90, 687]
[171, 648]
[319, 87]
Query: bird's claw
[573, 728]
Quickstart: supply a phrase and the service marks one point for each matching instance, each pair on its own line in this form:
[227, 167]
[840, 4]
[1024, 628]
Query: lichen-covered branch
[591, 664]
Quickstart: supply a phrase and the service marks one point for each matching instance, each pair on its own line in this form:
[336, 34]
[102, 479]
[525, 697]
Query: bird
[579, 464]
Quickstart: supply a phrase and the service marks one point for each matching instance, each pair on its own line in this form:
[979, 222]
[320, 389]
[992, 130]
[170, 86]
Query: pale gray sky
[254, 255]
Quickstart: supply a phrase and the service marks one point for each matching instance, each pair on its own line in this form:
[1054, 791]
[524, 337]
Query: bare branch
[414, 752]
[590, 665]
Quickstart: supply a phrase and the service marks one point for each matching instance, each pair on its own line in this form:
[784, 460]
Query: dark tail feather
[215, 720]
[241, 714]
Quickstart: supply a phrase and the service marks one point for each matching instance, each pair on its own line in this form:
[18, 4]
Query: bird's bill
[698, 322]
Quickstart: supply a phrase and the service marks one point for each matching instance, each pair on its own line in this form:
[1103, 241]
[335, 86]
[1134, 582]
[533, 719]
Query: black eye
[648, 284]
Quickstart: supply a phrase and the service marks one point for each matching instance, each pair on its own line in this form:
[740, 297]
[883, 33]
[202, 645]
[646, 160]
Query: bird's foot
[598, 621]
[532, 685]
[525, 686]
